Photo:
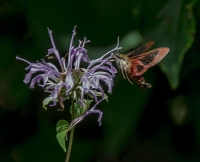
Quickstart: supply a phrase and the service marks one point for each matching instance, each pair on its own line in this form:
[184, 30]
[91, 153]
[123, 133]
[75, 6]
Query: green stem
[71, 135]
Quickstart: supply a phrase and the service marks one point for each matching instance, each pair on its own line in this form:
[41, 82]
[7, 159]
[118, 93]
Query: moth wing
[140, 63]
[135, 52]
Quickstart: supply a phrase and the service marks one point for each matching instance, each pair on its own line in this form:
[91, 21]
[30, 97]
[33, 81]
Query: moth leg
[128, 78]
[145, 86]
[122, 71]
[119, 69]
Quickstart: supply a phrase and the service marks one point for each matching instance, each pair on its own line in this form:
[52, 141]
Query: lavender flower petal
[91, 92]
[71, 52]
[69, 82]
[35, 79]
[54, 50]
[85, 84]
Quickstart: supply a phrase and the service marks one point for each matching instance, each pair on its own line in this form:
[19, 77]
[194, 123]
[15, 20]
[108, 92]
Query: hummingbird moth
[134, 62]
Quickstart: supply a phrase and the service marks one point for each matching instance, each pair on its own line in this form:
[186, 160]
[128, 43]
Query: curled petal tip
[60, 109]
[49, 30]
[106, 97]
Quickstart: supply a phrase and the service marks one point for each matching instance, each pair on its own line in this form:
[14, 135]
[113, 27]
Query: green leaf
[88, 102]
[79, 110]
[61, 129]
[175, 30]
[46, 101]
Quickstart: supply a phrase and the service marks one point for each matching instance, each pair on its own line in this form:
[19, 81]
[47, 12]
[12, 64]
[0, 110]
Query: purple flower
[70, 80]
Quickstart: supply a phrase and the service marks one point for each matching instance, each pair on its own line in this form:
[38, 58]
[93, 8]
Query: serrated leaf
[46, 102]
[61, 129]
[175, 30]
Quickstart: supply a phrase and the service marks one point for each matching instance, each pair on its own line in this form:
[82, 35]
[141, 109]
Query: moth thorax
[126, 65]
[122, 62]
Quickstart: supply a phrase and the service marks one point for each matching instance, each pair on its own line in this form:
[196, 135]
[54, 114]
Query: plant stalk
[70, 136]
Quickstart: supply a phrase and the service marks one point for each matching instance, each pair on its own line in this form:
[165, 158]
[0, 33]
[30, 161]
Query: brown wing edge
[145, 47]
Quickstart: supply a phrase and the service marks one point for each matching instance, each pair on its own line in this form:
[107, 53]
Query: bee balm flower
[70, 80]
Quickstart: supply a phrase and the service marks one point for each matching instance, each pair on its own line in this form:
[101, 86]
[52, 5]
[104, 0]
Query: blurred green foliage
[161, 124]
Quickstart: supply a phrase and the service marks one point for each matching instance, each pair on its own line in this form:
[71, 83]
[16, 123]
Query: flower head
[70, 80]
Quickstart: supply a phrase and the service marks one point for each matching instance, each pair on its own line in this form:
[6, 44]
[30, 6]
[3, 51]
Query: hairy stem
[71, 135]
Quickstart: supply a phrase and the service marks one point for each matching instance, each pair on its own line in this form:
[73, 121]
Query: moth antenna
[119, 69]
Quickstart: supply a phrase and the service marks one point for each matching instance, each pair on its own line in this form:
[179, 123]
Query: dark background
[159, 125]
